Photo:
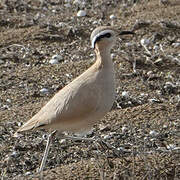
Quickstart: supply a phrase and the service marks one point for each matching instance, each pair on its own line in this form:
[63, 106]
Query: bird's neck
[103, 57]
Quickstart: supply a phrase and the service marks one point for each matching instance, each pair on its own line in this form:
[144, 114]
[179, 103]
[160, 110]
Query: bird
[85, 100]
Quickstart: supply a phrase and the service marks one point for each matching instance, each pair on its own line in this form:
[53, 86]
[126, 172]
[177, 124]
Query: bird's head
[104, 37]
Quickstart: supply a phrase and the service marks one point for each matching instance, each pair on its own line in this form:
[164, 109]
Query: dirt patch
[143, 125]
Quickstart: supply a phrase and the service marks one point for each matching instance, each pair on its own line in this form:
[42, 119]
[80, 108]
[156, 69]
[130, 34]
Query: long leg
[43, 162]
[95, 140]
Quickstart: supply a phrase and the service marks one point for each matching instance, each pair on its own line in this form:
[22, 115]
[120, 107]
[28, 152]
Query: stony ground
[144, 124]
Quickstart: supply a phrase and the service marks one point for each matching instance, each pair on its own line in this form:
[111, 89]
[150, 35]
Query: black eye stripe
[107, 35]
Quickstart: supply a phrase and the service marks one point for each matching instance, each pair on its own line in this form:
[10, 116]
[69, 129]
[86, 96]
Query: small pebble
[81, 13]
[56, 59]
[169, 84]
[103, 127]
[5, 106]
[19, 124]
[171, 146]
[153, 133]
[44, 90]
[61, 24]
[44, 136]
[158, 61]
[129, 102]
[120, 149]
[93, 159]
[113, 55]
[107, 137]
[68, 5]
[8, 100]
[95, 22]
[124, 129]
[112, 17]
[176, 44]
[27, 173]
[149, 73]
[156, 48]
[112, 133]
[159, 92]
[175, 123]
[154, 100]
[145, 138]
[143, 95]
[165, 126]
[62, 141]
[14, 154]
[125, 94]
[129, 44]
[145, 42]
[68, 75]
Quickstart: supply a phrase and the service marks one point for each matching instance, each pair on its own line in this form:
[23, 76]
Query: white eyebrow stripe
[99, 34]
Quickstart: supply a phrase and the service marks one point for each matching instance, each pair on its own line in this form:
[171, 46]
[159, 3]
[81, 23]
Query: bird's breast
[106, 86]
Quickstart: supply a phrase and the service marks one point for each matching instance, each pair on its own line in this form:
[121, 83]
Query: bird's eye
[98, 38]
[108, 35]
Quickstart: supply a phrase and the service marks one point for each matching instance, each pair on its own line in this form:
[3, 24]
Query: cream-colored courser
[85, 100]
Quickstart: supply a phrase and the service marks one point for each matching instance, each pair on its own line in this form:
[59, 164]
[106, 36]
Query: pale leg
[50, 137]
[43, 162]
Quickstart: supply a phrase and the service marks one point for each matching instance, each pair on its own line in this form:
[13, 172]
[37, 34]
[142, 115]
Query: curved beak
[126, 33]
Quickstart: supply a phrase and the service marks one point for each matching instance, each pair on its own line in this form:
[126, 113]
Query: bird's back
[79, 104]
